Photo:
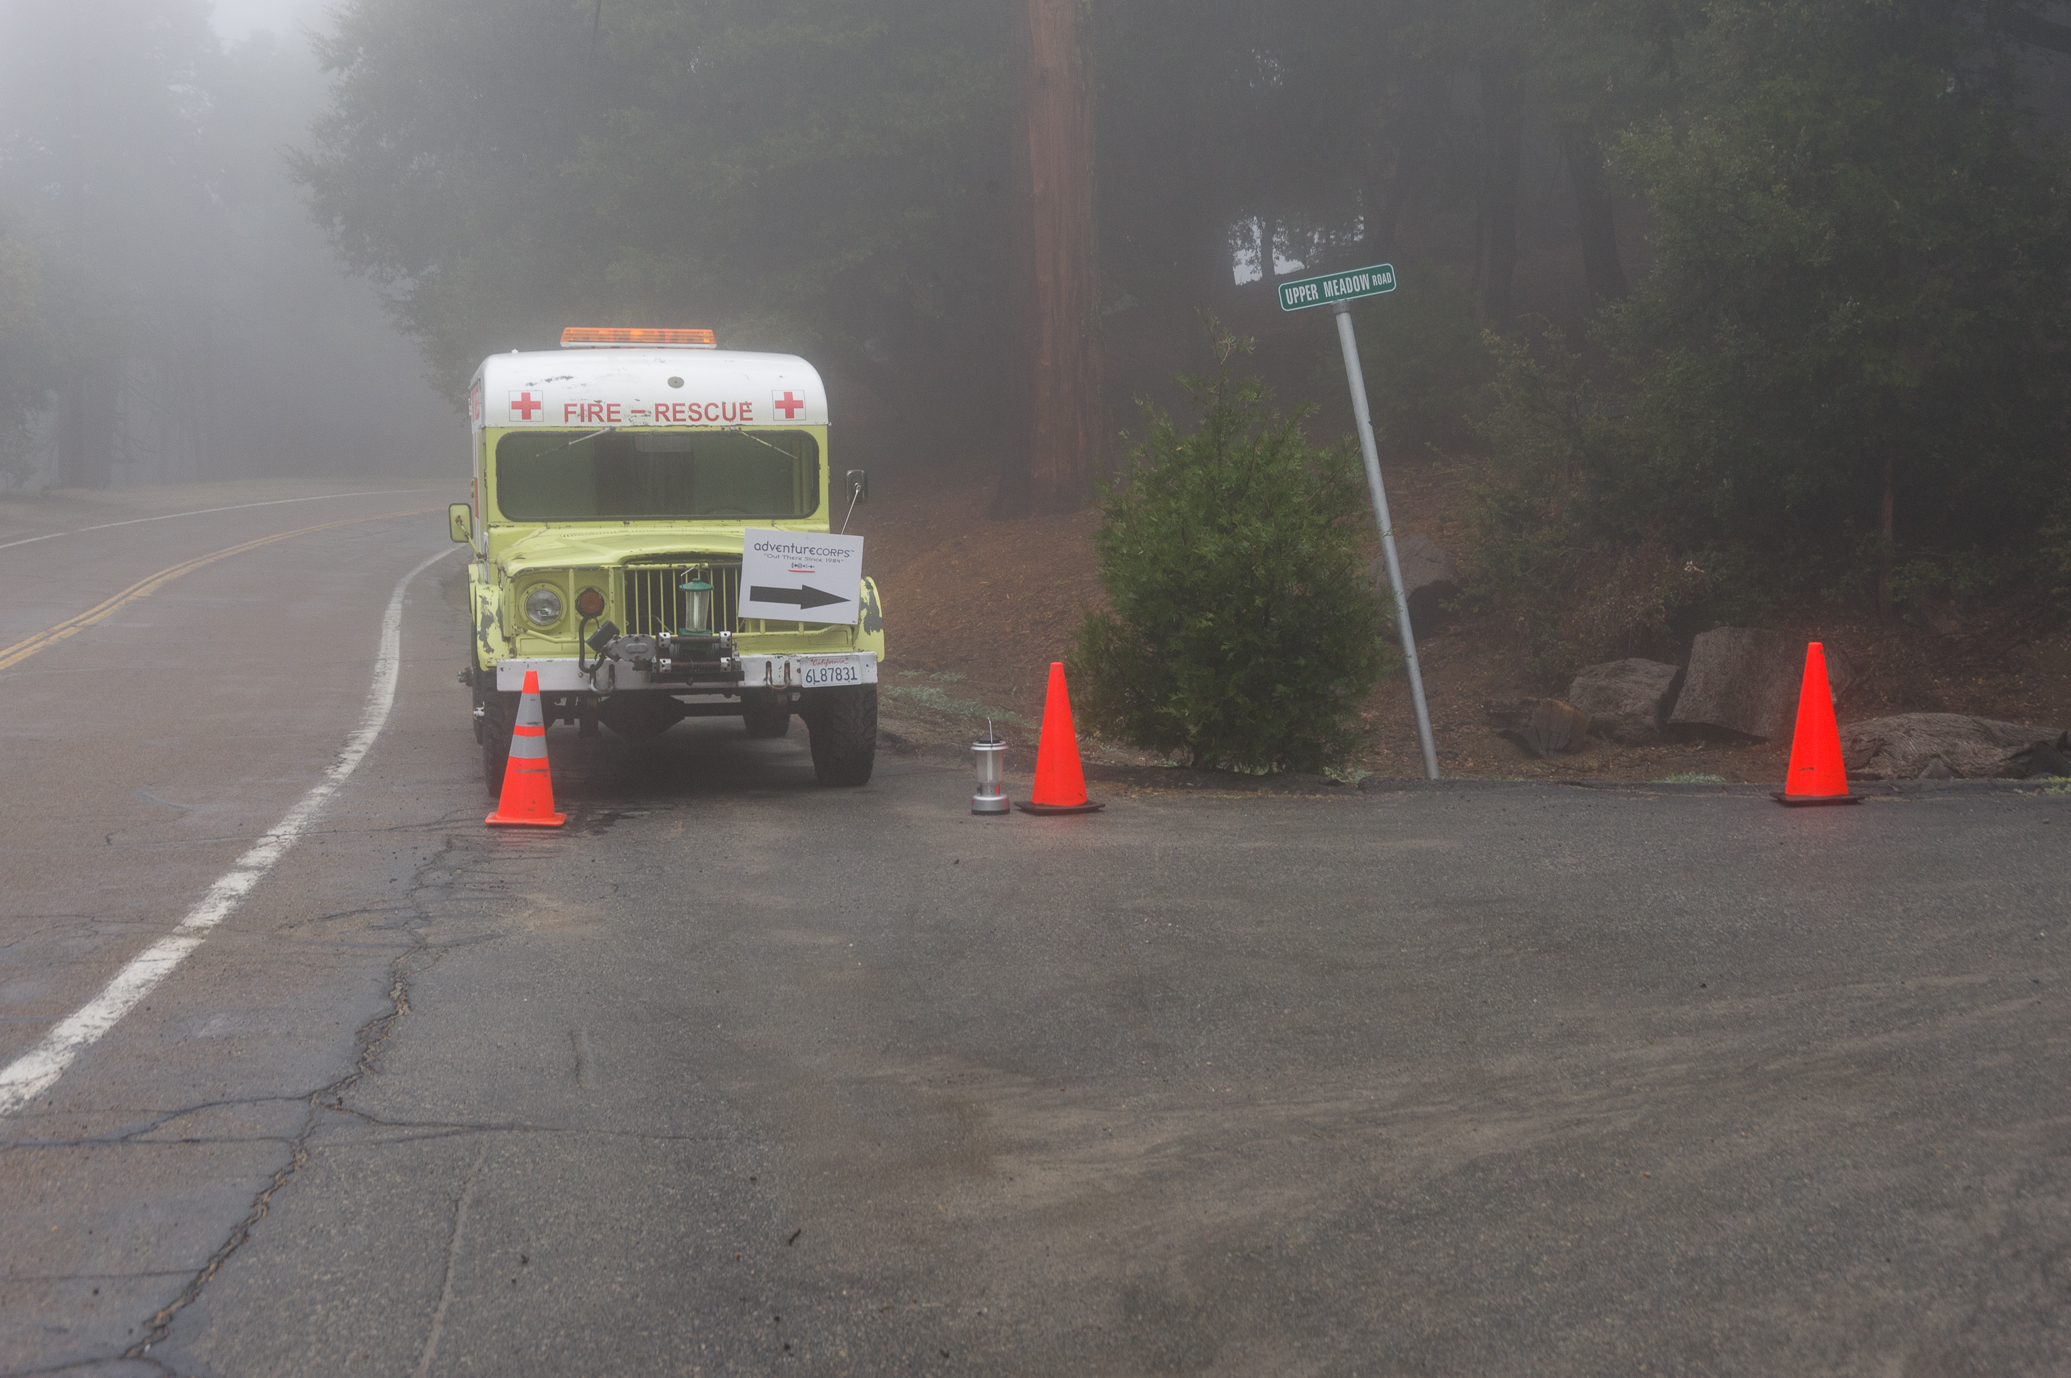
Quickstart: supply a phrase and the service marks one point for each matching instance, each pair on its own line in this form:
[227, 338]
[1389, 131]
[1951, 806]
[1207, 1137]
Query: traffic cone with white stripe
[528, 792]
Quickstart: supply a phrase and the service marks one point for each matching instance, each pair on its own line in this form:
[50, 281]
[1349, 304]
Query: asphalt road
[740, 1075]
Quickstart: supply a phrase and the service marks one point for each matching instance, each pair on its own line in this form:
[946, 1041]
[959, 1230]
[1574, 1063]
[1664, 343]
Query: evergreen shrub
[1242, 632]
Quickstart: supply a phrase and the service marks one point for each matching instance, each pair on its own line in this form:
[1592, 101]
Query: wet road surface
[737, 1074]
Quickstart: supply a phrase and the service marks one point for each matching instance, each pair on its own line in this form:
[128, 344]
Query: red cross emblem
[524, 404]
[787, 404]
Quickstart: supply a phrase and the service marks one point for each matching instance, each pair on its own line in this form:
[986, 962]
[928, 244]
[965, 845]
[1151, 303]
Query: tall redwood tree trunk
[1054, 264]
[1888, 530]
[1599, 231]
[1502, 113]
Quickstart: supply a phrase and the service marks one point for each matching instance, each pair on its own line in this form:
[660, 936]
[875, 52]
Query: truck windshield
[648, 475]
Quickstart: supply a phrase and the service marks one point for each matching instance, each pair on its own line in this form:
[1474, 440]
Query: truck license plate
[816, 676]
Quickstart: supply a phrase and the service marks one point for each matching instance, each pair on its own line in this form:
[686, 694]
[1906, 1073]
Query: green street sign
[1336, 287]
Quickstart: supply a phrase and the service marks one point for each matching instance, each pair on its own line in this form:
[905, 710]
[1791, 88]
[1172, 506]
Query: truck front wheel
[843, 727]
[499, 712]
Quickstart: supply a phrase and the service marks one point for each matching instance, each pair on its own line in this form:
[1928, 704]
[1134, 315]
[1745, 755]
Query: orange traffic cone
[528, 793]
[1060, 781]
[1816, 775]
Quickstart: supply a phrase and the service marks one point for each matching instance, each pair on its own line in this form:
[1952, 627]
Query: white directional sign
[801, 576]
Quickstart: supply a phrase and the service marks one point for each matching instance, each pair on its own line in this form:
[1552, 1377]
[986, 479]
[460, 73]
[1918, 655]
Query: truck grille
[654, 605]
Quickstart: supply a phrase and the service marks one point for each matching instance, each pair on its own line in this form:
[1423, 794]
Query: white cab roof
[642, 387]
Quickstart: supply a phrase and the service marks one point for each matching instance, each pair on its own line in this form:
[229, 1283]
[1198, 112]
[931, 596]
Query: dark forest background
[1724, 298]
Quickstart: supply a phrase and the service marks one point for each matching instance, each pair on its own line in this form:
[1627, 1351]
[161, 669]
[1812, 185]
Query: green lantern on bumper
[697, 604]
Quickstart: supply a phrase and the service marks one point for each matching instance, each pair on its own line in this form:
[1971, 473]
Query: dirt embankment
[976, 609]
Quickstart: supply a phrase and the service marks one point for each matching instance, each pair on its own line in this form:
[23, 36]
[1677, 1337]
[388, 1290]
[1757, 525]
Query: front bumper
[559, 675]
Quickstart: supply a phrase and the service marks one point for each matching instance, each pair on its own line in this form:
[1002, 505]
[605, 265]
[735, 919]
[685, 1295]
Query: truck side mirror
[859, 485]
[460, 520]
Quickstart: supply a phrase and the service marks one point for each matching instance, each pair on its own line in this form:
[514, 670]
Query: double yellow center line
[144, 588]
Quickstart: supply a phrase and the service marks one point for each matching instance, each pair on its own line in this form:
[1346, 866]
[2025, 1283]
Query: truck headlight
[543, 606]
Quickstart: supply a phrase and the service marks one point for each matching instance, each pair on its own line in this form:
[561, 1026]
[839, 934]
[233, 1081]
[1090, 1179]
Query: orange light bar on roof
[629, 337]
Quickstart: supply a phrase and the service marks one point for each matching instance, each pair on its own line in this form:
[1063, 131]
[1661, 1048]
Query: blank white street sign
[801, 576]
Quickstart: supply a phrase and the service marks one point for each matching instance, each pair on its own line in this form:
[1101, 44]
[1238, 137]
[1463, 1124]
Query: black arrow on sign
[807, 597]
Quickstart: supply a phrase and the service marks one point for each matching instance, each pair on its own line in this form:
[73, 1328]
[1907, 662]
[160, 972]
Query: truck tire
[499, 712]
[764, 720]
[843, 724]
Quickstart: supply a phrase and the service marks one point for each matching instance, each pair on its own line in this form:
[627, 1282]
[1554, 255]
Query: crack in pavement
[438, 1316]
[158, 1122]
[84, 1365]
[420, 956]
[252, 834]
[94, 1277]
[445, 876]
[440, 1129]
[208, 1142]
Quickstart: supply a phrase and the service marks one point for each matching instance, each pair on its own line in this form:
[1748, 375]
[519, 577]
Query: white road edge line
[35, 1071]
[33, 539]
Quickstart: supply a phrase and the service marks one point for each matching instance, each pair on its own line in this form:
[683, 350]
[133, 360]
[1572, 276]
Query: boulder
[1542, 726]
[1429, 580]
[2052, 760]
[1744, 682]
[1946, 746]
[1626, 699]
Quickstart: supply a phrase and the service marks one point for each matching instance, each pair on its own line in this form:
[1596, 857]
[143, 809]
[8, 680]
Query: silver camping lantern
[989, 758]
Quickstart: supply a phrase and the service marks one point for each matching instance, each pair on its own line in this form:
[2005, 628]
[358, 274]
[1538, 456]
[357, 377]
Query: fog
[165, 290]
[1794, 248]
[236, 20]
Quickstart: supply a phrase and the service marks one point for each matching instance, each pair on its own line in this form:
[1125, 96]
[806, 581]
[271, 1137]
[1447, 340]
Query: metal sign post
[1340, 290]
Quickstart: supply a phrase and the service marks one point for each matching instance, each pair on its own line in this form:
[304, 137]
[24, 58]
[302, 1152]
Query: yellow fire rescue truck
[615, 481]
